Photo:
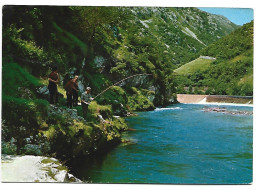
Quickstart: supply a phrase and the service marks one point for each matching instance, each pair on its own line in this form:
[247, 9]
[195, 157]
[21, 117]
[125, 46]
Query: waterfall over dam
[204, 99]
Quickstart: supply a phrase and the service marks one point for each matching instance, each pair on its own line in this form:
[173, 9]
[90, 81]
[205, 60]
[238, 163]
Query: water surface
[180, 144]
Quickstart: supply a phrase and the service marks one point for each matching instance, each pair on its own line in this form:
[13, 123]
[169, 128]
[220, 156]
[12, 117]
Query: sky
[238, 16]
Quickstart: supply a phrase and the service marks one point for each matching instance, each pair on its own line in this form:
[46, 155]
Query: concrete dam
[204, 99]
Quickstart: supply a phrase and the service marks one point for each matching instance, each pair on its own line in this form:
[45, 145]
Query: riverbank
[54, 132]
[214, 99]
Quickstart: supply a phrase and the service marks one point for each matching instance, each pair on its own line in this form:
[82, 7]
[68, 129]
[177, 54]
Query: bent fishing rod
[119, 83]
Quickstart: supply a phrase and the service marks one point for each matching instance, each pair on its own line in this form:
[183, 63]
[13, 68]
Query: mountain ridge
[188, 23]
[230, 72]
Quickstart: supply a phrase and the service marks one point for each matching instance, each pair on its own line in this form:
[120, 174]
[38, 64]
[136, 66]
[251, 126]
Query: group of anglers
[72, 90]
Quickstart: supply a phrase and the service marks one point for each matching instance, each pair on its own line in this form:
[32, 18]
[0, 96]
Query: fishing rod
[119, 82]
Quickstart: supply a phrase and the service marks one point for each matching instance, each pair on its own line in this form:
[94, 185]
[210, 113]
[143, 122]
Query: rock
[33, 149]
[72, 113]
[43, 92]
[224, 110]
[131, 129]
[34, 169]
[61, 176]
[70, 178]
[131, 114]
[101, 118]
[207, 57]
[119, 109]
[81, 85]
[151, 97]
[25, 93]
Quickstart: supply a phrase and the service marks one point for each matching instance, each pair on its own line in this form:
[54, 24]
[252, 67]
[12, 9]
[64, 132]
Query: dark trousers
[84, 109]
[53, 95]
[69, 100]
[74, 97]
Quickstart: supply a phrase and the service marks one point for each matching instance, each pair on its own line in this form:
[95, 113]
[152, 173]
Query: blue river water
[180, 144]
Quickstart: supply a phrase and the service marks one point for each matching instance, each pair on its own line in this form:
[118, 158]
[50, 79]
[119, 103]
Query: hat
[88, 88]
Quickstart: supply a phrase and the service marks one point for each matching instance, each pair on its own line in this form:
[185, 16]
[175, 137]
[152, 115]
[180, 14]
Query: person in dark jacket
[72, 92]
[75, 91]
[53, 89]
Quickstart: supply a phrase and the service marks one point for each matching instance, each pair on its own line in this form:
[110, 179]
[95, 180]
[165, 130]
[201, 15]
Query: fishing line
[118, 83]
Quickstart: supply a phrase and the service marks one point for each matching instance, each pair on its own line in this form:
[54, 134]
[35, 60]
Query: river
[180, 144]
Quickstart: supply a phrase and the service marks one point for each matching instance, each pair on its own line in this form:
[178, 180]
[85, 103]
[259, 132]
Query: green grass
[247, 79]
[14, 76]
[224, 76]
[198, 64]
[49, 160]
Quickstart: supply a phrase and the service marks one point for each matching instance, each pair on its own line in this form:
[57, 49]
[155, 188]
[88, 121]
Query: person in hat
[86, 98]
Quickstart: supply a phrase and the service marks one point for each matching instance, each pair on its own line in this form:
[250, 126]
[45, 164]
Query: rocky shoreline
[225, 111]
[34, 169]
[53, 133]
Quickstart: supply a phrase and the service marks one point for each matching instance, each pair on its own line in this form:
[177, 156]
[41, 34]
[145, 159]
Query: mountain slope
[232, 71]
[183, 31]
[105, 44]
[199, 64]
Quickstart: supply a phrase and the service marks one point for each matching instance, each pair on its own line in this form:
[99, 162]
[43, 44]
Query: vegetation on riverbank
[31, 126]
[232, 71]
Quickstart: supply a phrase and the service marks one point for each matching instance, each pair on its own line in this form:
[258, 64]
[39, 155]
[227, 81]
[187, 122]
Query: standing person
[68, 87]
[75, 91]
[86, 98]
[53, 81]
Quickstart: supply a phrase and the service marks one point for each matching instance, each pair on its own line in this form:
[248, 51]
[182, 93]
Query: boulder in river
[224, 110]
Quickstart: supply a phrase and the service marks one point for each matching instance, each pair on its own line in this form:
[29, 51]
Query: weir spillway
[196, 99]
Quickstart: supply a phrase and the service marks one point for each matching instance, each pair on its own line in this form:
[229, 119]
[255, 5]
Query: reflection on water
[179, 144]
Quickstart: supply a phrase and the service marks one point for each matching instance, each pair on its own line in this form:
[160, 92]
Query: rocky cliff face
[184, 31]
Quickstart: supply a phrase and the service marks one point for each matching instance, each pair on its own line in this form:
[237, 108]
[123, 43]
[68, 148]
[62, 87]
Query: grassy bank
[32, 126]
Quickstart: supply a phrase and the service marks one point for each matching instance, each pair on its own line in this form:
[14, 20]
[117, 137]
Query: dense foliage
[232, 71]
[106, 44]
[234, 44]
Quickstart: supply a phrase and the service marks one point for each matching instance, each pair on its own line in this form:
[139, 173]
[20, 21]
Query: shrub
[138, 101]
[27, 52]
[96, 110]
[23, 119]
[117, 98]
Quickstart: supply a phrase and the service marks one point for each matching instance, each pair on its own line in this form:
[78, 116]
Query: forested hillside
[231, 73]
[102, 45]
